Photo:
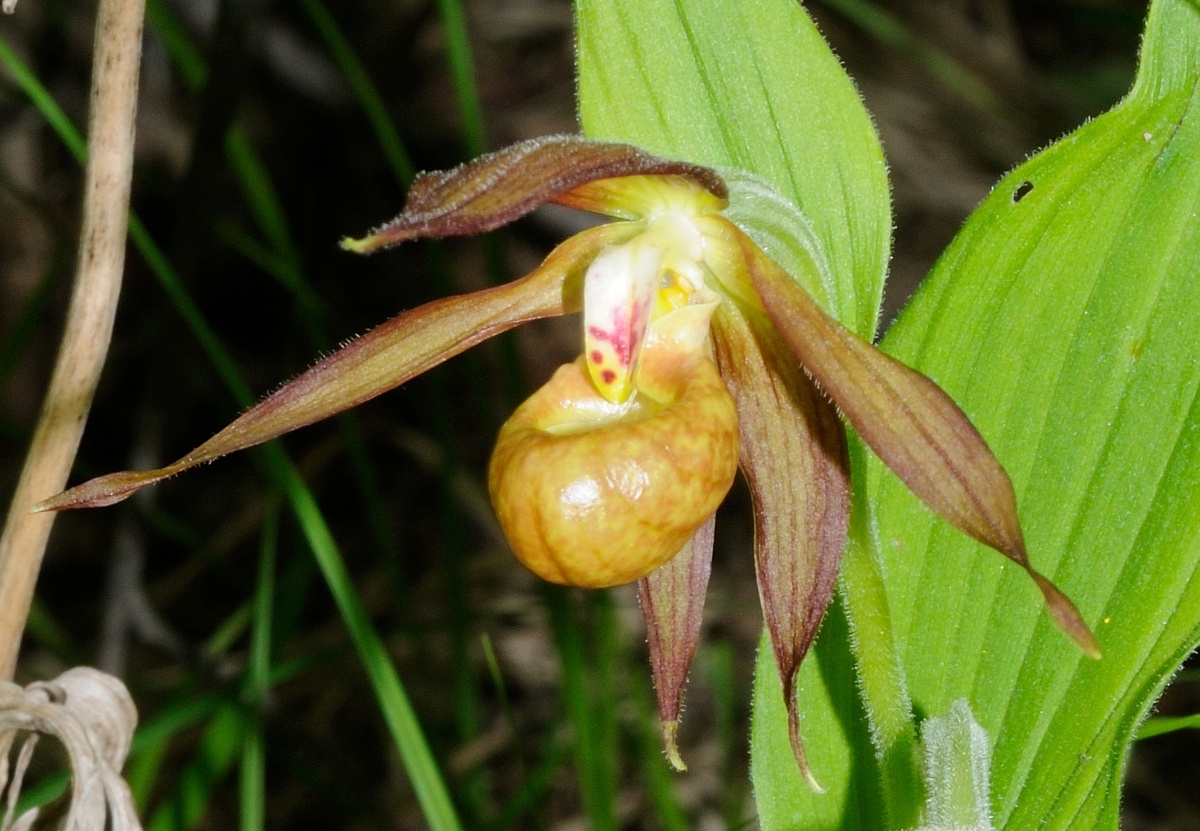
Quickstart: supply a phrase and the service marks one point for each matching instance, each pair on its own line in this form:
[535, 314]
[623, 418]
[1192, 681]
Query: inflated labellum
[594, 493]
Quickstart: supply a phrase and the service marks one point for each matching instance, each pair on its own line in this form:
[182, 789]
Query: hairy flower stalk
[700, 356]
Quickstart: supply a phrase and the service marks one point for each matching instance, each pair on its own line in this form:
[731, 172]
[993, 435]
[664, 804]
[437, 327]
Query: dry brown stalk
[101, 260]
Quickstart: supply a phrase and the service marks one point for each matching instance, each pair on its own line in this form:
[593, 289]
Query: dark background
[961, 90]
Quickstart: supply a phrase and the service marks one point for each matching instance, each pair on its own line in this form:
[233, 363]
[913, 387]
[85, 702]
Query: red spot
[621, 337]
[608, 376]
[597, 357]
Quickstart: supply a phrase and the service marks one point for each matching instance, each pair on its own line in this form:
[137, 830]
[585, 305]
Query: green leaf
[1062, 319]
[1162, 725]
[729, 83]
[836, 740]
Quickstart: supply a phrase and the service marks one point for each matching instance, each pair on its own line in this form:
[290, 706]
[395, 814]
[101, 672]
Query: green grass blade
[143, 769]
[187, 58]
[718, 659]
[228, 633]
[462, 69]
[1162, 725]
[595, 778]
[267, 209]
[252, 783]
[269, 213]
[499, 686]
[260, 193]
[282, 258]
[31, 317]
[172, 720]
[40, 97]
[212, 761]
[473, 787]
[606, 687]
[45, 628]
[393, 700]
[364, 89]
[277, 266]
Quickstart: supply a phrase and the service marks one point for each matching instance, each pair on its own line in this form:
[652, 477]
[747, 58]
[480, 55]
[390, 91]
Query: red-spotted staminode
[700, 356]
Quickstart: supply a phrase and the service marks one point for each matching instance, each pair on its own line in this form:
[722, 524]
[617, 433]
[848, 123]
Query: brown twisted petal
[795, 461]
[594, 494]
[500, 187]
[381, 360]
[911, 424]
[672, 599]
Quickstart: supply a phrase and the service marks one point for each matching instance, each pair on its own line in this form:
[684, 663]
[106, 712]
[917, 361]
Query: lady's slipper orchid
[700, 355]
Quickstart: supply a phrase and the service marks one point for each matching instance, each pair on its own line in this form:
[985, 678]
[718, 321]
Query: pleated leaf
[1063, 321]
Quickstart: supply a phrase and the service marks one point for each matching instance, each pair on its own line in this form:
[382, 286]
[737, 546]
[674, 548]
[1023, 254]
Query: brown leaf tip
[1067, 617]
[101, 491]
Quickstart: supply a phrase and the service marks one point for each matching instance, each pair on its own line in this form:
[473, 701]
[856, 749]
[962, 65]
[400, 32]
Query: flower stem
[101, 260]
[880, 673]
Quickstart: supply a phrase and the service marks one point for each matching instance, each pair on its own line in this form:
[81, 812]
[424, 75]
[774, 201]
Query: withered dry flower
[93, 716]
[701, 355]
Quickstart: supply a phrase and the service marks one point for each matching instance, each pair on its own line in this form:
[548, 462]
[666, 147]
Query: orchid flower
[700, 356]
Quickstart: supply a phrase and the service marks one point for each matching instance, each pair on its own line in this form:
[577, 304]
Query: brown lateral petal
[911, 424]
[500, 187]
[672, 599]
[795, 461]
[381, 360]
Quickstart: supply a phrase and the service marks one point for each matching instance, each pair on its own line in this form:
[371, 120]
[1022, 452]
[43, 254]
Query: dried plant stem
[93, 306]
